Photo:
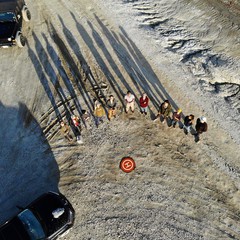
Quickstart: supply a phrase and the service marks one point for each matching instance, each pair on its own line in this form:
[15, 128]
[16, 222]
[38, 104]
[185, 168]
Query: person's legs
[68, 137]
[77, 130]
[127, 107]
[132, 106]
[174, 122]
[110, 114]
[164, 118]
[189, 128]
[186, 129]
[145, 110]
[87, 123]
[197, 137]
[97, 119]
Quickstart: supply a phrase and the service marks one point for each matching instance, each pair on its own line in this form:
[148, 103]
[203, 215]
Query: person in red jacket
[176, 117]
[144, 101]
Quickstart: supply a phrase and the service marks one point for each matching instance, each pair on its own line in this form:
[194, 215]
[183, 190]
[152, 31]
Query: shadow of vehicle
[27, 165]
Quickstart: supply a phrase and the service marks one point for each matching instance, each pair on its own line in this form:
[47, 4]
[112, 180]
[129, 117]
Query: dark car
[12, 14]
[45, 218]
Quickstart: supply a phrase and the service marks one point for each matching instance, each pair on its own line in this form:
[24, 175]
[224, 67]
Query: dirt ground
[180, 189]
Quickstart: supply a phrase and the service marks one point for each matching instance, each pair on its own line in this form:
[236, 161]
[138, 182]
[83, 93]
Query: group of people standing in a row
[111, 104]
[164, 113]
[201, 124]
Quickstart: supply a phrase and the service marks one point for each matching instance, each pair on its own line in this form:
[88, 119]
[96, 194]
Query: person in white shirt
[130, 101]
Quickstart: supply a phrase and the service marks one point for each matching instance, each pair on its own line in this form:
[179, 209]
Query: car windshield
[31, 225]
[7, 17]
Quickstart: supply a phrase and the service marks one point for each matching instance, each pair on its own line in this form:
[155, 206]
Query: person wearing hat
[176, 117]
[201, 126]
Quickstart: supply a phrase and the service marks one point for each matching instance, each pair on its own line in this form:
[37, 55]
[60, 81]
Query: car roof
[13, 230]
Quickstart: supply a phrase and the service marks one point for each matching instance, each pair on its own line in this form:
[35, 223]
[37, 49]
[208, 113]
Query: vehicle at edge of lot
[47, 217]
[12, 14]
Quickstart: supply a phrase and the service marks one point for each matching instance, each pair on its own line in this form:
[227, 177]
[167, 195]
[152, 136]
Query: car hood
[7, 29]
[14, 230]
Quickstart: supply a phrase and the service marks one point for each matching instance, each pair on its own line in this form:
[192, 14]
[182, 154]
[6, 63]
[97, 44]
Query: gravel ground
[179, 189]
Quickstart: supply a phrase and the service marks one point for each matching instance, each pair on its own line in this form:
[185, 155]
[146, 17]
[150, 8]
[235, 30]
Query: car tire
[26, 14]
[20, 40]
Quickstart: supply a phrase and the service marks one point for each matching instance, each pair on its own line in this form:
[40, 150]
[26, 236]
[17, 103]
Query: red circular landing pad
[127, 164]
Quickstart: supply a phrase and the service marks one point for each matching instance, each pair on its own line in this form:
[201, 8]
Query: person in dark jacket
[188, 122]
[164, 110]
[111, 105]
[201, 126]
[144, 101]
[86, 118]
[76, 125]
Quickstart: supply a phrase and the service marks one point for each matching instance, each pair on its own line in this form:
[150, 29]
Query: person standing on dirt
[130, 101]
[99, 113]
[75, 122]
[176, 117]
[201, 126]
[188, 122]
[111, 105]
[164, 110]
[65, 129]
[86, 117]
[144, 101]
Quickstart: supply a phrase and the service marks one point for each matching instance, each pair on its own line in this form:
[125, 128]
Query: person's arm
[147, 101]
[108, 104]
[174, 116]
[160, 110]
[197, 125]
[114, 104]
[67, 129]
[167, 112]
[179, 116]
[103, 111]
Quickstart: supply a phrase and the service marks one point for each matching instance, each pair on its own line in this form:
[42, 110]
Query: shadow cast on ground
[27, 165]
